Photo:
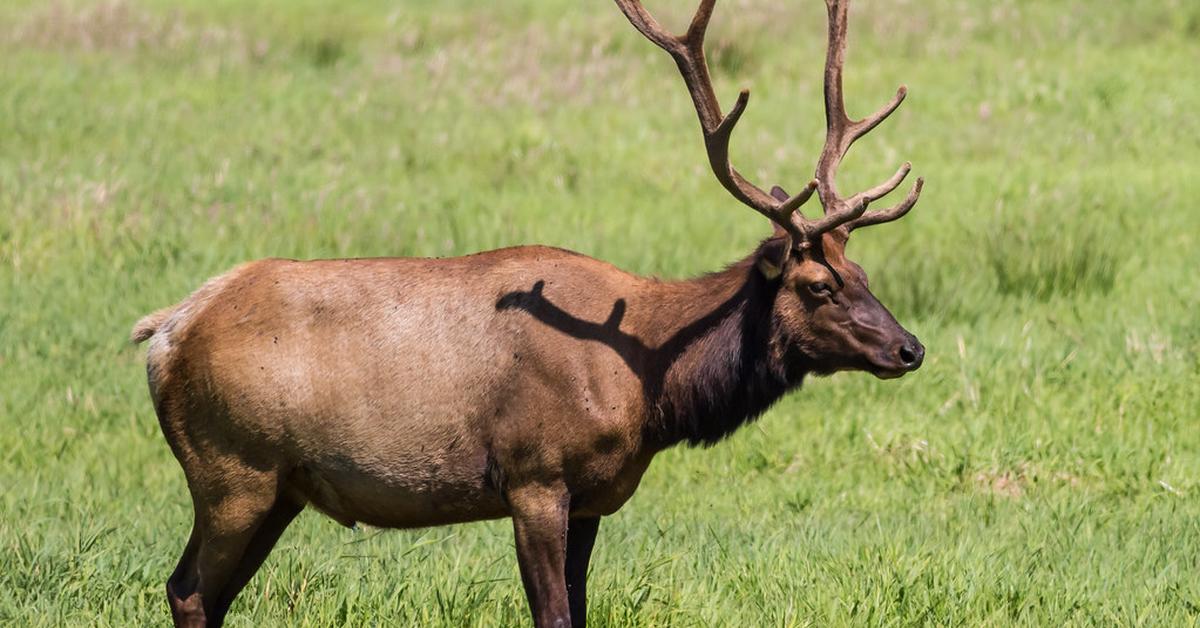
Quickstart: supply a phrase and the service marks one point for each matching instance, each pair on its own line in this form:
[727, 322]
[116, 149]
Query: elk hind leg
[276, 521]
[227, 522]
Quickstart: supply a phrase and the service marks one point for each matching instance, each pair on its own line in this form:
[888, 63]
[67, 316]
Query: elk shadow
[649, 364]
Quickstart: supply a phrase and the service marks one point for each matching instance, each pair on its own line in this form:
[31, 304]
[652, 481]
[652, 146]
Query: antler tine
[688, 52]
[841, 133]
[892, 213]
[699, 25]
[648, 26]
[883, 189]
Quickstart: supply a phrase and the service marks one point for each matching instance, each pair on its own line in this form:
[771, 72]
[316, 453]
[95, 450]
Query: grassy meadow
[1042, 468]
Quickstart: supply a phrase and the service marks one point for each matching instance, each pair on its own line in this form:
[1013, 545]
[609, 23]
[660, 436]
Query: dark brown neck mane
[726, 365]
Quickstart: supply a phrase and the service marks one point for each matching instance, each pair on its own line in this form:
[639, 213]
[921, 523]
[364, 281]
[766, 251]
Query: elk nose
[911, 354]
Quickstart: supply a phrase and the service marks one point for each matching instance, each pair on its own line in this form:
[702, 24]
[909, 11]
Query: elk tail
[149, 324]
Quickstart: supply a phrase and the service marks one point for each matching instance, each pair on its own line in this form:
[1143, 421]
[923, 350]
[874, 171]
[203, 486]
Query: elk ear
[773, 253]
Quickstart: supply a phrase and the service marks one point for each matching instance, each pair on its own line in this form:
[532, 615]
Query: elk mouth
[893, 373]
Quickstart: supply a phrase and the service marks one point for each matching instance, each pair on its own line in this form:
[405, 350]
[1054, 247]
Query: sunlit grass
[1042, 468]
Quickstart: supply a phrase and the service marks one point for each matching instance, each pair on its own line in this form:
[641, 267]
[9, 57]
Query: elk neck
[719, 359]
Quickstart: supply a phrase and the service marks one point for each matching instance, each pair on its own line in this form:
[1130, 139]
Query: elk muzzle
[889, 349]
[907, 356]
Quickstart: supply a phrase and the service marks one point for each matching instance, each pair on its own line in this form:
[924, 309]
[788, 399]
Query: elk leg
[581, 536]
[540, 529]
[264, 539]
[180, 609]
[224, 527]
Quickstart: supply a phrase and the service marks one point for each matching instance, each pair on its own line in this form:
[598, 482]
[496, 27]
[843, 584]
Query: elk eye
[820, 288]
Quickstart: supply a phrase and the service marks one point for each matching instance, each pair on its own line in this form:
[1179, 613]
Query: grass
[1043, 468]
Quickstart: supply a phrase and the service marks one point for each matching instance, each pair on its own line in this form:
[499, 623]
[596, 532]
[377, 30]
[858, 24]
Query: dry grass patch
[1016, 482]
[124, 26]
[1008, 484]
[537, 69]
[110, 25]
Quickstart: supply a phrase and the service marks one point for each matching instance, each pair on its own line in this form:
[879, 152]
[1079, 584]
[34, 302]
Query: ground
[1042, 468]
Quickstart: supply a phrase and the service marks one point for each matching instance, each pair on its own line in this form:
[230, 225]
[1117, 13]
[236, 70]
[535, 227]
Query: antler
[688, 52]
[841, 132]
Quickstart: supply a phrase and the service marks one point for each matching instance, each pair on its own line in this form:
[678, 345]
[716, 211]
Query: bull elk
[528, 382]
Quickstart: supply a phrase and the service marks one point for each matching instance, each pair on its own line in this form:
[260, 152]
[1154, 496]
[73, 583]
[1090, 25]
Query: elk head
[828, 318]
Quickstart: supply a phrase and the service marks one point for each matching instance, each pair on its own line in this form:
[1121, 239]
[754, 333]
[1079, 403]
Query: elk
[528, 382]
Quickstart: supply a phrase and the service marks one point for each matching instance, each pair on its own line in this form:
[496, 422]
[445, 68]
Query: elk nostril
[907, 356]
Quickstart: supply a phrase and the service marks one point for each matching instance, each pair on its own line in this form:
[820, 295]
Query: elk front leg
[581, 536]
[540, 527]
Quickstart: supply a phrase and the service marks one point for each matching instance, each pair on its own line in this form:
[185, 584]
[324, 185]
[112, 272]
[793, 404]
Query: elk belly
[412, 489]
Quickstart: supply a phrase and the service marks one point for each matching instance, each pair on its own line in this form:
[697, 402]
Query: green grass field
[1043, 468]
